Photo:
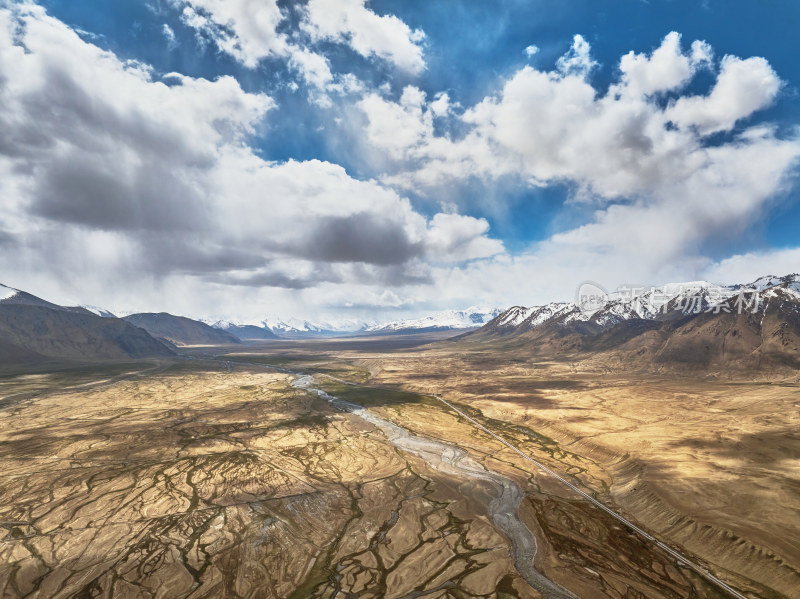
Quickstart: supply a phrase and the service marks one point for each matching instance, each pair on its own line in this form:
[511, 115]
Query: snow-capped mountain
[296, 327]
[470, 318]
[98, 311]
[791, 282]
[288, 328]
[665, 301]
[7, 292]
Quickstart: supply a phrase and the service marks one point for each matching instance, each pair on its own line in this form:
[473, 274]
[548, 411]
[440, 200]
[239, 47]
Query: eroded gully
[454, 461]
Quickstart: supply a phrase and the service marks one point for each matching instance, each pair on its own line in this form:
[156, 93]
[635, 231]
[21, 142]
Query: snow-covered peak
[685, 286]
[98, 311]
[515, 316]
[543, 314]
[791, 281]
[615, 312]
[298, 326]
[627, 303]
[449, 319]
[7, 292]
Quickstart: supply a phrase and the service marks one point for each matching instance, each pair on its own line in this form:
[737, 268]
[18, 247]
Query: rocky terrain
[225, 479]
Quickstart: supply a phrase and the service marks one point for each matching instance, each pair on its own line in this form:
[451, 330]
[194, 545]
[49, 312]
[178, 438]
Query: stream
[454, 461]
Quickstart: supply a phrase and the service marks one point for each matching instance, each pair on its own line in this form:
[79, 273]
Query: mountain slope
[180, 330]
[31, 331]
[443, 321]
[693, 325]
[245, 332]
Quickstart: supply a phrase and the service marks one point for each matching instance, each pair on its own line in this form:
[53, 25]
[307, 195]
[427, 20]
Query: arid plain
[221, 476]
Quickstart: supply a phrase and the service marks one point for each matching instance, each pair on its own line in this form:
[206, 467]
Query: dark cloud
[272, 279]
[115, 174]
[7, 239]
[146, 194]
[393, 275]
[360, 237]
[196, 255]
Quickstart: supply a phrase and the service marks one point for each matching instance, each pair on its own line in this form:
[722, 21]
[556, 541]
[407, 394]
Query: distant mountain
[245, 332]
[684, 325]
[296, 328]
[33, 329]
[442, 321]
[180, 330]
[99, 311]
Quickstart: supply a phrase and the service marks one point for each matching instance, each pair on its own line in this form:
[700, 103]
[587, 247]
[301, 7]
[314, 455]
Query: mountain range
[295, 328]
[35, 330]
[470, 318]
[684, 325]
[179, 330]
[688, 325]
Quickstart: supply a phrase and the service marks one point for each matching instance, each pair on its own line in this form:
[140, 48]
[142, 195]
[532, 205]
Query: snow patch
[7, 292]
[98, 311]
[450, 319]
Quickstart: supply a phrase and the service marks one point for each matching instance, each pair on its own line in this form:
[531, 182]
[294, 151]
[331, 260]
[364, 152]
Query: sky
[349, 160]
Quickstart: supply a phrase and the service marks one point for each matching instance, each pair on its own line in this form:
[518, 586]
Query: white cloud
[398, 127]
[441, 105]
[578, 61]
[453, 238]
[110, 171]
[742, 88]
[248, 30]
[368, 34]
[748, 267]
[667, 68]
[658, 192]
[531, 50]
[169, 35]
[245, 29]
[314, 68]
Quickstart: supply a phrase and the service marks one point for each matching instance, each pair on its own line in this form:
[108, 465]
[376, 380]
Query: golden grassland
[194, 479]
[711, 466]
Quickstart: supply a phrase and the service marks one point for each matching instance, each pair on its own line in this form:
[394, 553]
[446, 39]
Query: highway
[641, 532]
[644, 534]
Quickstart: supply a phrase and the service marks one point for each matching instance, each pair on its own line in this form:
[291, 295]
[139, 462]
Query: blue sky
[482, 201]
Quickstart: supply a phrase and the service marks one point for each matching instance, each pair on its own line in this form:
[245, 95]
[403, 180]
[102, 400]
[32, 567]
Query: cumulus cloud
[245, 29]
[578, 60]
[749, 266]
[107, 168]
[251, 31]
[369, 34]
[531, 50]
[636, 154]
[742, 88]
[665, 69]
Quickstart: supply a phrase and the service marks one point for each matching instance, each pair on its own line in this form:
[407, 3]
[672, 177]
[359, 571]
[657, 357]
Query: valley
[236, 473]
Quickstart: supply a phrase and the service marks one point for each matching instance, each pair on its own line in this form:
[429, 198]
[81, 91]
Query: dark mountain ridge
[33, 329]
[181, 330]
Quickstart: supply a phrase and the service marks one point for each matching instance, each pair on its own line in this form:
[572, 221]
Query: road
[641, 532]
[644, 534]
